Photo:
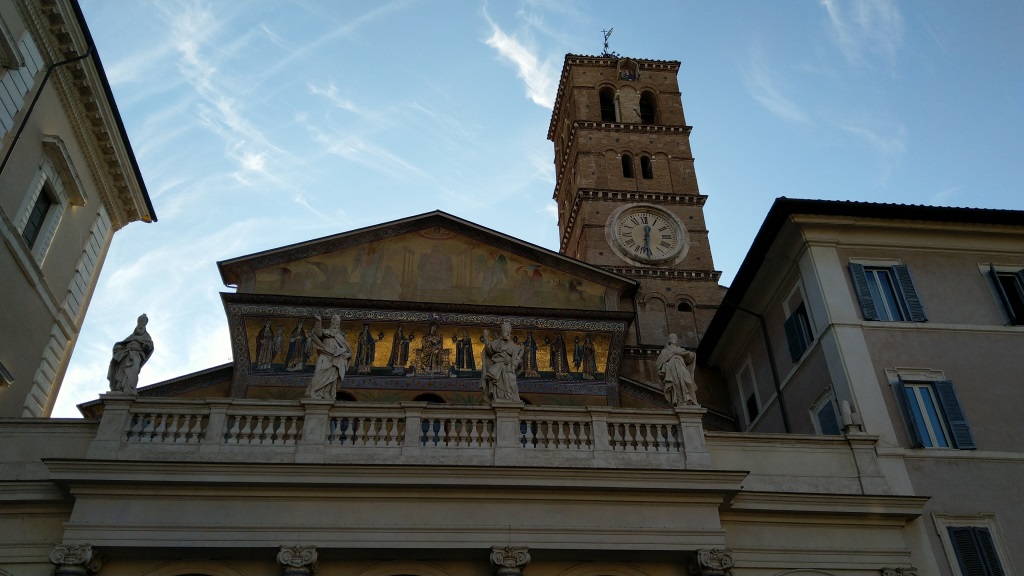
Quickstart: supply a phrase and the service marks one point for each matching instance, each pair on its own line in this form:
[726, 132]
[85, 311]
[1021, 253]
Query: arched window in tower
[648, 108]
[645, 167]
[627, 166]
[607, 95]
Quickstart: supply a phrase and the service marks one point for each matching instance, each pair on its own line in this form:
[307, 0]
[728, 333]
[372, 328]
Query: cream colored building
[68, 181]
[409, 470]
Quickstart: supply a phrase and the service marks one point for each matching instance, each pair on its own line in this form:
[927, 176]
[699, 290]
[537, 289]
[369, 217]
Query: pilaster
[509, 560]
[712, 562]
[75, 560]
[297, 560]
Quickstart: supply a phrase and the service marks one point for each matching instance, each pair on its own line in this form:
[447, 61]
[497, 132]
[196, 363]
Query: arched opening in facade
[646, 168]
[429, 397]
[608, 112]
[648, 108]
[343, 396]
[627, 166]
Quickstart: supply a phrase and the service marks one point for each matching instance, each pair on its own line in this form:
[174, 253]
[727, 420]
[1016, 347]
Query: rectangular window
[975, 551]
[887, 293]
[748, 392]
[1009, 286]
[826, 420]
[798, 332]
[933, 414]
[36, 218]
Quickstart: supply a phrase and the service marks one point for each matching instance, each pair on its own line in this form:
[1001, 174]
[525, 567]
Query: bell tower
[627, 193]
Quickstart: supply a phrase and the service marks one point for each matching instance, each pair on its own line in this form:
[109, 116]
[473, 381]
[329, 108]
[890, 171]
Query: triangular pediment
[434, 257]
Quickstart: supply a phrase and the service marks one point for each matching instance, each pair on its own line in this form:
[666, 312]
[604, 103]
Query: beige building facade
[68, 181]
[408, 468]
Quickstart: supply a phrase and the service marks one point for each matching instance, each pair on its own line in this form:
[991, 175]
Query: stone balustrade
[317, 431]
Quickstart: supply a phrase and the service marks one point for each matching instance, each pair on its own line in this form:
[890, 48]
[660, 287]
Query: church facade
[431, 397]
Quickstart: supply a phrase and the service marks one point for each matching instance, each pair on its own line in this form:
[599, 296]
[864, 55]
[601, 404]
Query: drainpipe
[771, 362]
[32, 105]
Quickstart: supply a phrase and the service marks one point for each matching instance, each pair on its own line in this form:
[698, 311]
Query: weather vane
[608, 34]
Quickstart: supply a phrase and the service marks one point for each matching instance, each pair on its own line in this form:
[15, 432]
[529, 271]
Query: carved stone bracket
[510, 560]
[75, 560]
[712, 562]
[297, 560]
[899, 571]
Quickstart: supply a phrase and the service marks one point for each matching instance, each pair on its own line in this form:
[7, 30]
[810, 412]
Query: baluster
[196, 431]
[158, 432]
[574, 439]
[587, 432]
[560, 439]
[544, 434]
[399, 430]
[232, 435]
[291, 430]
[613, 435]
[523, 425]
[371, 433]
[266, 429]
[475, 432]
[135, 429]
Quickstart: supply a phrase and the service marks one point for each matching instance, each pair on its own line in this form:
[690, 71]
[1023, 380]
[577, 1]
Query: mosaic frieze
[432, 265]
[282, 344]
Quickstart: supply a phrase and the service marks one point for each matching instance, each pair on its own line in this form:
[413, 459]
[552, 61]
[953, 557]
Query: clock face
[646, 234]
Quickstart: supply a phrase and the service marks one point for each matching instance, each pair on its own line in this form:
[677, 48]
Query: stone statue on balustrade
[675, 366]
[502, 358]
[129, 356]
[333, 354]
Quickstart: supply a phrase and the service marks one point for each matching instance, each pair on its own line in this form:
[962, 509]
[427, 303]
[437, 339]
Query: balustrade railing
[350, 432]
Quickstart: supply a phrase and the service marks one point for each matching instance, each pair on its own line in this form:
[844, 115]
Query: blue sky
[258, 124]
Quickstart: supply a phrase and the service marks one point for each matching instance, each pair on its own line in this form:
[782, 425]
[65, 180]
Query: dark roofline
[780, 213]
[113, 106]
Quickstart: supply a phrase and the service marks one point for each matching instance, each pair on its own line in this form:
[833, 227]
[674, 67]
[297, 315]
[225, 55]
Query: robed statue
[502, 358]
[333, 354]
[675, 366]
[129, 356]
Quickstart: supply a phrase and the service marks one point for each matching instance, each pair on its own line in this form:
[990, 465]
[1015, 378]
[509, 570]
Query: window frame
[944, 522]
[799, 327]
[646, 167]
[745, 396]
[828, 398]
[994, 274]
[904, 291]
[626, 160]
[947, 409]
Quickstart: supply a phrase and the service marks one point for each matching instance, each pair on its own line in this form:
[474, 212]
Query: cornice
[666, 273]
[89, 112]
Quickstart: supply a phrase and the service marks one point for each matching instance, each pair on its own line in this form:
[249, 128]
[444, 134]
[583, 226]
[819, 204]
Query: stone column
[712, 562]
[509, 560]
[297, 560]
[75, 560]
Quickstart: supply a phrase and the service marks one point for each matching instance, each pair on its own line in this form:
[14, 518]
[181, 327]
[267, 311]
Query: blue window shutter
[1003, 298]
[796, 349]
[908, 414]
[860, 284]
[975, 551]
[954, 413]
[909, 293]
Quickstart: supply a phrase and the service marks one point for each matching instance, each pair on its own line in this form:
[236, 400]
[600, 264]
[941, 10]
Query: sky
[263, 123]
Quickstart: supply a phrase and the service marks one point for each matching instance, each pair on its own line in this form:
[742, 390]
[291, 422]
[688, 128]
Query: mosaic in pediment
[431, 265]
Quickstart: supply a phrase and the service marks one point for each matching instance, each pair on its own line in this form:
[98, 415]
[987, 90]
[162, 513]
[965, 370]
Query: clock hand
[647, 240]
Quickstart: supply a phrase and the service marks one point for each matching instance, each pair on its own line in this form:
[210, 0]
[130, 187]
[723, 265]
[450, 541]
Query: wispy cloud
[866, 29]
[764, 86]
[943, 197]
[540, 77]
[330, 92]
[889, 145]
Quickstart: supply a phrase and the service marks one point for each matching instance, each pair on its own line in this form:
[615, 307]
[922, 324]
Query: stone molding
[75, 559]
[509, 560]
[712, 562]
[899, 571]
[297, 560]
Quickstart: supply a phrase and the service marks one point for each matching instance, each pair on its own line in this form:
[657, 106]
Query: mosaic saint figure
[501, 360]
[530, 357]
[431, 352]
[265, 347]
[675, 366]
[577, 353]
[366, 348]
[129, 356]
[589, 358]
[333, 354]
[464, 359]
[559, 362]
[278, 341]
[298, 349]
[399, 350]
